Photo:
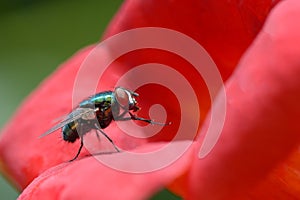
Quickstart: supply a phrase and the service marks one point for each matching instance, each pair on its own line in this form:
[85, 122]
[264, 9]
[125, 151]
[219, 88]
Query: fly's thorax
[96, 100]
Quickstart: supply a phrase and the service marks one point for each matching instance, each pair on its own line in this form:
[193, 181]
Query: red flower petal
[215, 25]
[225, 30]
[261, 128]
[285, 178]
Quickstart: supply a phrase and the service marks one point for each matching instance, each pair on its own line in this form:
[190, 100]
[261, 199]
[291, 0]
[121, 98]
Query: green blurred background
[35, 37]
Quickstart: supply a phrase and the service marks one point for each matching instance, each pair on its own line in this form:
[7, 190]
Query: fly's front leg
[134, 117]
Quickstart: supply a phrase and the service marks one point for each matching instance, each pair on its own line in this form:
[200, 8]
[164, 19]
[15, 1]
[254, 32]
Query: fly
[96, 113]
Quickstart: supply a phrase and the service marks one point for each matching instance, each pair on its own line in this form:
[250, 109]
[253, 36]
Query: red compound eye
[123, 97]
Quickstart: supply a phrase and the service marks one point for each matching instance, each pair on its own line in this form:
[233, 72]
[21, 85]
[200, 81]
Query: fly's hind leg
[81, 142]
[79, 150]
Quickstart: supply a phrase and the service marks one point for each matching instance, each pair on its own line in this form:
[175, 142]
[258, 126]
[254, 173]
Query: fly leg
[81, 143]
[79, 150]
[98, 137]
[107, 137]
[134, 117]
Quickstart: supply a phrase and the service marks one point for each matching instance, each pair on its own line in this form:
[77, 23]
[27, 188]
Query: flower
[258, 145]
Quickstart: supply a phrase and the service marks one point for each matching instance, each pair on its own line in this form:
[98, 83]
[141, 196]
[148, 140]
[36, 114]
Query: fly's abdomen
[70, 133]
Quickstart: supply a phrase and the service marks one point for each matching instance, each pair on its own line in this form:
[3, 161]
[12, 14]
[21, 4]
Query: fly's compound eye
[125, 98]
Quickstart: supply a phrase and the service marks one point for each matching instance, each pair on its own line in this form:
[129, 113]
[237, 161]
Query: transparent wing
[85, 113]
[59, 119]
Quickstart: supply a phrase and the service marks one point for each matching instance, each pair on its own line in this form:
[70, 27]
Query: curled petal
[261, 128]
[90, 179]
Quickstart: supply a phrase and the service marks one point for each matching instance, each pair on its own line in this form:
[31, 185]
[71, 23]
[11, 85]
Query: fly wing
[73, 116]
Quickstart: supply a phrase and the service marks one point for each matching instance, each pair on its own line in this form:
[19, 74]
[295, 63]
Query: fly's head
[126, 99]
